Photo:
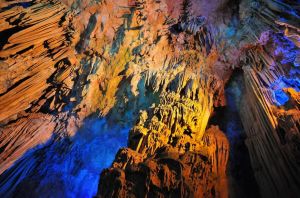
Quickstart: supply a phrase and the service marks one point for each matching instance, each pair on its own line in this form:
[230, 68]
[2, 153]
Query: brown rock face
[32, 50]
[37, 60]
[169, 172]
[169, 155]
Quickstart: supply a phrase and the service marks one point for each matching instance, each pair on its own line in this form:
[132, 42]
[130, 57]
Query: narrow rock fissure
[241, 176]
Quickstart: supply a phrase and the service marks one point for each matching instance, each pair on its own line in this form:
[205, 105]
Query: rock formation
[169, 172]
[72, 72]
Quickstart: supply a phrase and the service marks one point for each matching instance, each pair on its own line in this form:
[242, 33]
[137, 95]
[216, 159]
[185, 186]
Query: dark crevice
[15, 85]
[4, 35]
[23, 4]
[2, 148]
[281, 134]
[241, 176]
[25, 50]
[85, 36]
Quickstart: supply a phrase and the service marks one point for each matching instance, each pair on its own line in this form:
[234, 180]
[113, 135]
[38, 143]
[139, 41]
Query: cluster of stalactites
[173, 118]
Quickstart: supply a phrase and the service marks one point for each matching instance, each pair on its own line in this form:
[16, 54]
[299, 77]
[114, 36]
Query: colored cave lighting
[149, 98]
[280, 96]
[71, 166]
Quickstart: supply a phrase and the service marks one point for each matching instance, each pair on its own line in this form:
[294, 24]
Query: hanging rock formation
[72, 72]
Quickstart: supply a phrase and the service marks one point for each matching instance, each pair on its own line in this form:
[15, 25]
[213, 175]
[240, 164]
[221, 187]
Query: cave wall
[158, 70]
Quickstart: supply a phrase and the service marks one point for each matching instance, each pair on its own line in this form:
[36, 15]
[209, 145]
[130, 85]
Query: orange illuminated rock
[168, 157]
[169, 172]
[164, 65]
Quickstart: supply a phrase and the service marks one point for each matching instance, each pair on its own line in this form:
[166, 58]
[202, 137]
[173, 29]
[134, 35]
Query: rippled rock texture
[147, 98]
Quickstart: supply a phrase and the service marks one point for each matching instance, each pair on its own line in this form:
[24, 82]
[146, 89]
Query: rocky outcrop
[168, 156]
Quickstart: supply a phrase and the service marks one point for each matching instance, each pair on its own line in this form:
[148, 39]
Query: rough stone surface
[160, 69]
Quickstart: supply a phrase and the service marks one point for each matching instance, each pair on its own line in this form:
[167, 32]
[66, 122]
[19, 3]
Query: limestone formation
[75, 74]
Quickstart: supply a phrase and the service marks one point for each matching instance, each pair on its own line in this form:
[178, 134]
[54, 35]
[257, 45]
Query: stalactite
[79, 76]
